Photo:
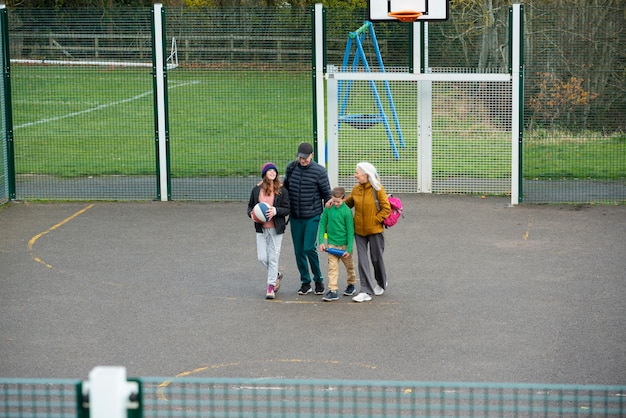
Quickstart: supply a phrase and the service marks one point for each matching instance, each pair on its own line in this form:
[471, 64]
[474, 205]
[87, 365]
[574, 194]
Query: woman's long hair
[372, 174]
[268, 186]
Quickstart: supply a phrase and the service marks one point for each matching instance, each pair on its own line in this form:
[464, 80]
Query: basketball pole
[332, 101]
[424, 108]
[160, 88]
[318, 84]
[517, 97]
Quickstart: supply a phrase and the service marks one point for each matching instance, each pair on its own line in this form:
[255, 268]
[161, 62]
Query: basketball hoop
[406, 15]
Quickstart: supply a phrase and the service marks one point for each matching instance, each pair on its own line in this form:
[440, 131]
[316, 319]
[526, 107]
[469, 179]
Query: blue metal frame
[366, 121]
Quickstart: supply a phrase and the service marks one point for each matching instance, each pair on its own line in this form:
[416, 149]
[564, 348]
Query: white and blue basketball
[259, 211]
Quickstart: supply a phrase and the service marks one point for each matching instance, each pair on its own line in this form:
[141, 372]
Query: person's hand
[346, 255]
[271, 212]
[329, 203]
[322, 247]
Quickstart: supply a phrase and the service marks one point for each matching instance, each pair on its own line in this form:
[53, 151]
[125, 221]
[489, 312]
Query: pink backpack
[396, 211]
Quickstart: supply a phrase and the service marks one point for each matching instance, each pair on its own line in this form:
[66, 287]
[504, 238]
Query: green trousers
[304, 236]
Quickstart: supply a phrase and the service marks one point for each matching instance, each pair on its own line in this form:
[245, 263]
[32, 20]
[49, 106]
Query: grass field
[80, 121]
[562, 155]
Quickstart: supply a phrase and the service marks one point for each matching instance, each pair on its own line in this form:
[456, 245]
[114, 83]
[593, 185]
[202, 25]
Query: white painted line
[93, 109]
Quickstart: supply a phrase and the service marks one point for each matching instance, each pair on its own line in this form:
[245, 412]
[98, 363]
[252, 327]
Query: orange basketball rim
[406, 15]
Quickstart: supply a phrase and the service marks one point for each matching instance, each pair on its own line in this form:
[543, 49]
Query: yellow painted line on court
[163, 386]
[317, 302]
[302, 302]
[161, 396]
[52, 228]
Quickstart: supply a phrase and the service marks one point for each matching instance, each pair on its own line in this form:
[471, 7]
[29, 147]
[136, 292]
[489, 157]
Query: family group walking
[316, 212]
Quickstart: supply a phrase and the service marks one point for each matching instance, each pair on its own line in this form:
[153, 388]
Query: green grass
[221, 123]
[564, 155]
[71, 121]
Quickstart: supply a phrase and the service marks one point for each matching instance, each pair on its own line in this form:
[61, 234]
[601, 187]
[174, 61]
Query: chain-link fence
[204, 397]
[575, 103]
[82, 93]
[240, 93]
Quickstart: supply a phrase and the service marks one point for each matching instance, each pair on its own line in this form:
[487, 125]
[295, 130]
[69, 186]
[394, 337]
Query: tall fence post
[516, 60]
[318, 82]
[332, 144]
[424, 108]
[7, 171]
[160, 102]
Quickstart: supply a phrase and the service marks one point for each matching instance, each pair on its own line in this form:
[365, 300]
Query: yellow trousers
[333, 269]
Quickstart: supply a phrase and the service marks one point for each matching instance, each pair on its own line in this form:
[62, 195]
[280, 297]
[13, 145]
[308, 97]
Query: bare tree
[574, 50]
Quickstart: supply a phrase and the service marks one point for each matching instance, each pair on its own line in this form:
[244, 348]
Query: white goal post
[172, 61]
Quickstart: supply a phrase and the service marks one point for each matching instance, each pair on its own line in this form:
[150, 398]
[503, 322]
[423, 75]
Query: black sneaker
[330, 296]
[350, 290]
[304, 289]
[319, 288]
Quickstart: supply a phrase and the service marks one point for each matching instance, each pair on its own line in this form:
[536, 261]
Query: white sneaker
[378, 290]
[362, 297]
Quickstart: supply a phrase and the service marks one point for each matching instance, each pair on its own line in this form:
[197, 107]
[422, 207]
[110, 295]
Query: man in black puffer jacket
[309, 189]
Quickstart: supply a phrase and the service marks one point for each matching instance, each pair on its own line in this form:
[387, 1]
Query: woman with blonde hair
[371, 207]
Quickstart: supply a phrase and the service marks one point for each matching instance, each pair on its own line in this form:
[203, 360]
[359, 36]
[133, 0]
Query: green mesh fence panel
[575, 107]
[204, 397]
[38, 398]
[472, 137]
[378, 121]
[378, 135]
[83, 105]
[272, 397]
[242, 95]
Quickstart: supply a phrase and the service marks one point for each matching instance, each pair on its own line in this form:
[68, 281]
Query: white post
[160, 92]
[516, 123]
[319, 83]
[425, 136]
[426, 61]
[333, 128]
[417, 56]
[109, 392]
[424, 113]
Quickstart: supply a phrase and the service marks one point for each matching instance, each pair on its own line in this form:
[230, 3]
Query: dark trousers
[376, 243]
[304, 236]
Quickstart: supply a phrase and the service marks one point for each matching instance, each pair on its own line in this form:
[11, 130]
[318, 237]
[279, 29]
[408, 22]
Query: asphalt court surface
[478, 292]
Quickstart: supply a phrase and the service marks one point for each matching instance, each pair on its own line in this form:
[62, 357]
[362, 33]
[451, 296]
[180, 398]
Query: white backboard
[431, 9]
